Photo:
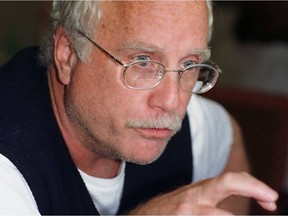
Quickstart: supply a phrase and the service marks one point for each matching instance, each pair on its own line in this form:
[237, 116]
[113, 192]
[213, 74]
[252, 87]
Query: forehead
[134, 9]
[151, 19]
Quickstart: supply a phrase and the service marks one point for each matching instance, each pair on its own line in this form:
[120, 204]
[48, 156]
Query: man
[92, 136]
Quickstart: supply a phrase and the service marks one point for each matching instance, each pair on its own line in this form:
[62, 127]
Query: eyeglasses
[147, 74]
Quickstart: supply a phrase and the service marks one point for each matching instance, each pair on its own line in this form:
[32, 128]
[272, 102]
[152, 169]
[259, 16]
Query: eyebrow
[139, 46]
[203, 53]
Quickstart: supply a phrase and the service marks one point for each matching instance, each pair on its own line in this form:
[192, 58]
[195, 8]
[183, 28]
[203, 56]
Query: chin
[143, 161]
[146, 155]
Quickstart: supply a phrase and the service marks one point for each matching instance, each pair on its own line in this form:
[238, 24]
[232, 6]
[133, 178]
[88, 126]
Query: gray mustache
[172, 123]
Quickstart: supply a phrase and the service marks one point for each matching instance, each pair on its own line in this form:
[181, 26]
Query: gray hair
[84, 16]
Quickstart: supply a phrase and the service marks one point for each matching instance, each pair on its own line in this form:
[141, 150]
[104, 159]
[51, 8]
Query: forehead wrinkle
[205, 52]
[139, 46]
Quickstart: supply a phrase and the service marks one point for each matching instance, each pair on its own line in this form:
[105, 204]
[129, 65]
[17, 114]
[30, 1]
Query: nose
[166, 95]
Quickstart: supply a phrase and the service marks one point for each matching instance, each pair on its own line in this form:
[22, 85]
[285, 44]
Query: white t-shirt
[212, 138]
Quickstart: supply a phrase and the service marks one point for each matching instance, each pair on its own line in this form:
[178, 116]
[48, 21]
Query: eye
[142, 61]
[188, 64]
[141, 58]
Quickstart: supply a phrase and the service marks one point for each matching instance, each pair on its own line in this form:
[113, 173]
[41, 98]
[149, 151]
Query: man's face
[112, 118]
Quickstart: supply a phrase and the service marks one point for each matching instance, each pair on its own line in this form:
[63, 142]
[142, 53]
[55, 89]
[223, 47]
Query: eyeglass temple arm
[99, 47]
[215, 66]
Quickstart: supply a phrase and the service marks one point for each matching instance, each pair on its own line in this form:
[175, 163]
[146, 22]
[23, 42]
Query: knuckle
[228, 178]
[229, 181]
[182, 208]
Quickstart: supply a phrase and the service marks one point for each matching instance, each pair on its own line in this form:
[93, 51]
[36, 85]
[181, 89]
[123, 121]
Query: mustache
[172, 122]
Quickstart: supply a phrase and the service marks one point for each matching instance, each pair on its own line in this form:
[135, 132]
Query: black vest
[31, 139]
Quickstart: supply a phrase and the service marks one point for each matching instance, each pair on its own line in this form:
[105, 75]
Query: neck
[85, 159]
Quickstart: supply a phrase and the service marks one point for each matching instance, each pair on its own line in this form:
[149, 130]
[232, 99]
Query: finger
[270, 206]
[240, 184]
[251, 187]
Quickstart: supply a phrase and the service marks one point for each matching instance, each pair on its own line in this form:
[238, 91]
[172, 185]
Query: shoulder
[18, 198]
[22, 79]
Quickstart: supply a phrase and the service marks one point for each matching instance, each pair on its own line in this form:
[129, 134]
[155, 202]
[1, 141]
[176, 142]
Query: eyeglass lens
[147, 75]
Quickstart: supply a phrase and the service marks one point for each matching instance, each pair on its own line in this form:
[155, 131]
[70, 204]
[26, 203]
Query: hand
[204, 197]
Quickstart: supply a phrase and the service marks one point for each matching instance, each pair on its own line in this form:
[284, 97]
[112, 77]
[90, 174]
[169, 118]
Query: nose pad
[160, 74]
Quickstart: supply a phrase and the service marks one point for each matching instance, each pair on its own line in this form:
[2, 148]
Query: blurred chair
[264, 122]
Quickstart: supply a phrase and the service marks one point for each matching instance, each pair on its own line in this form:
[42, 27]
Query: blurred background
[21, 24]
[250, 44]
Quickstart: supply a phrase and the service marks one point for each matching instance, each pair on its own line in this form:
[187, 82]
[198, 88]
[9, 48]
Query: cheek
[99, 81]
[100, 94]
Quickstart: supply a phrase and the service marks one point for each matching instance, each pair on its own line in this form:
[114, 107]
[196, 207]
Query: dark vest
[31, 139]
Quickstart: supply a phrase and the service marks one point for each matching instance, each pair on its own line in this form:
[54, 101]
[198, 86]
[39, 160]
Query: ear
[64, 56]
